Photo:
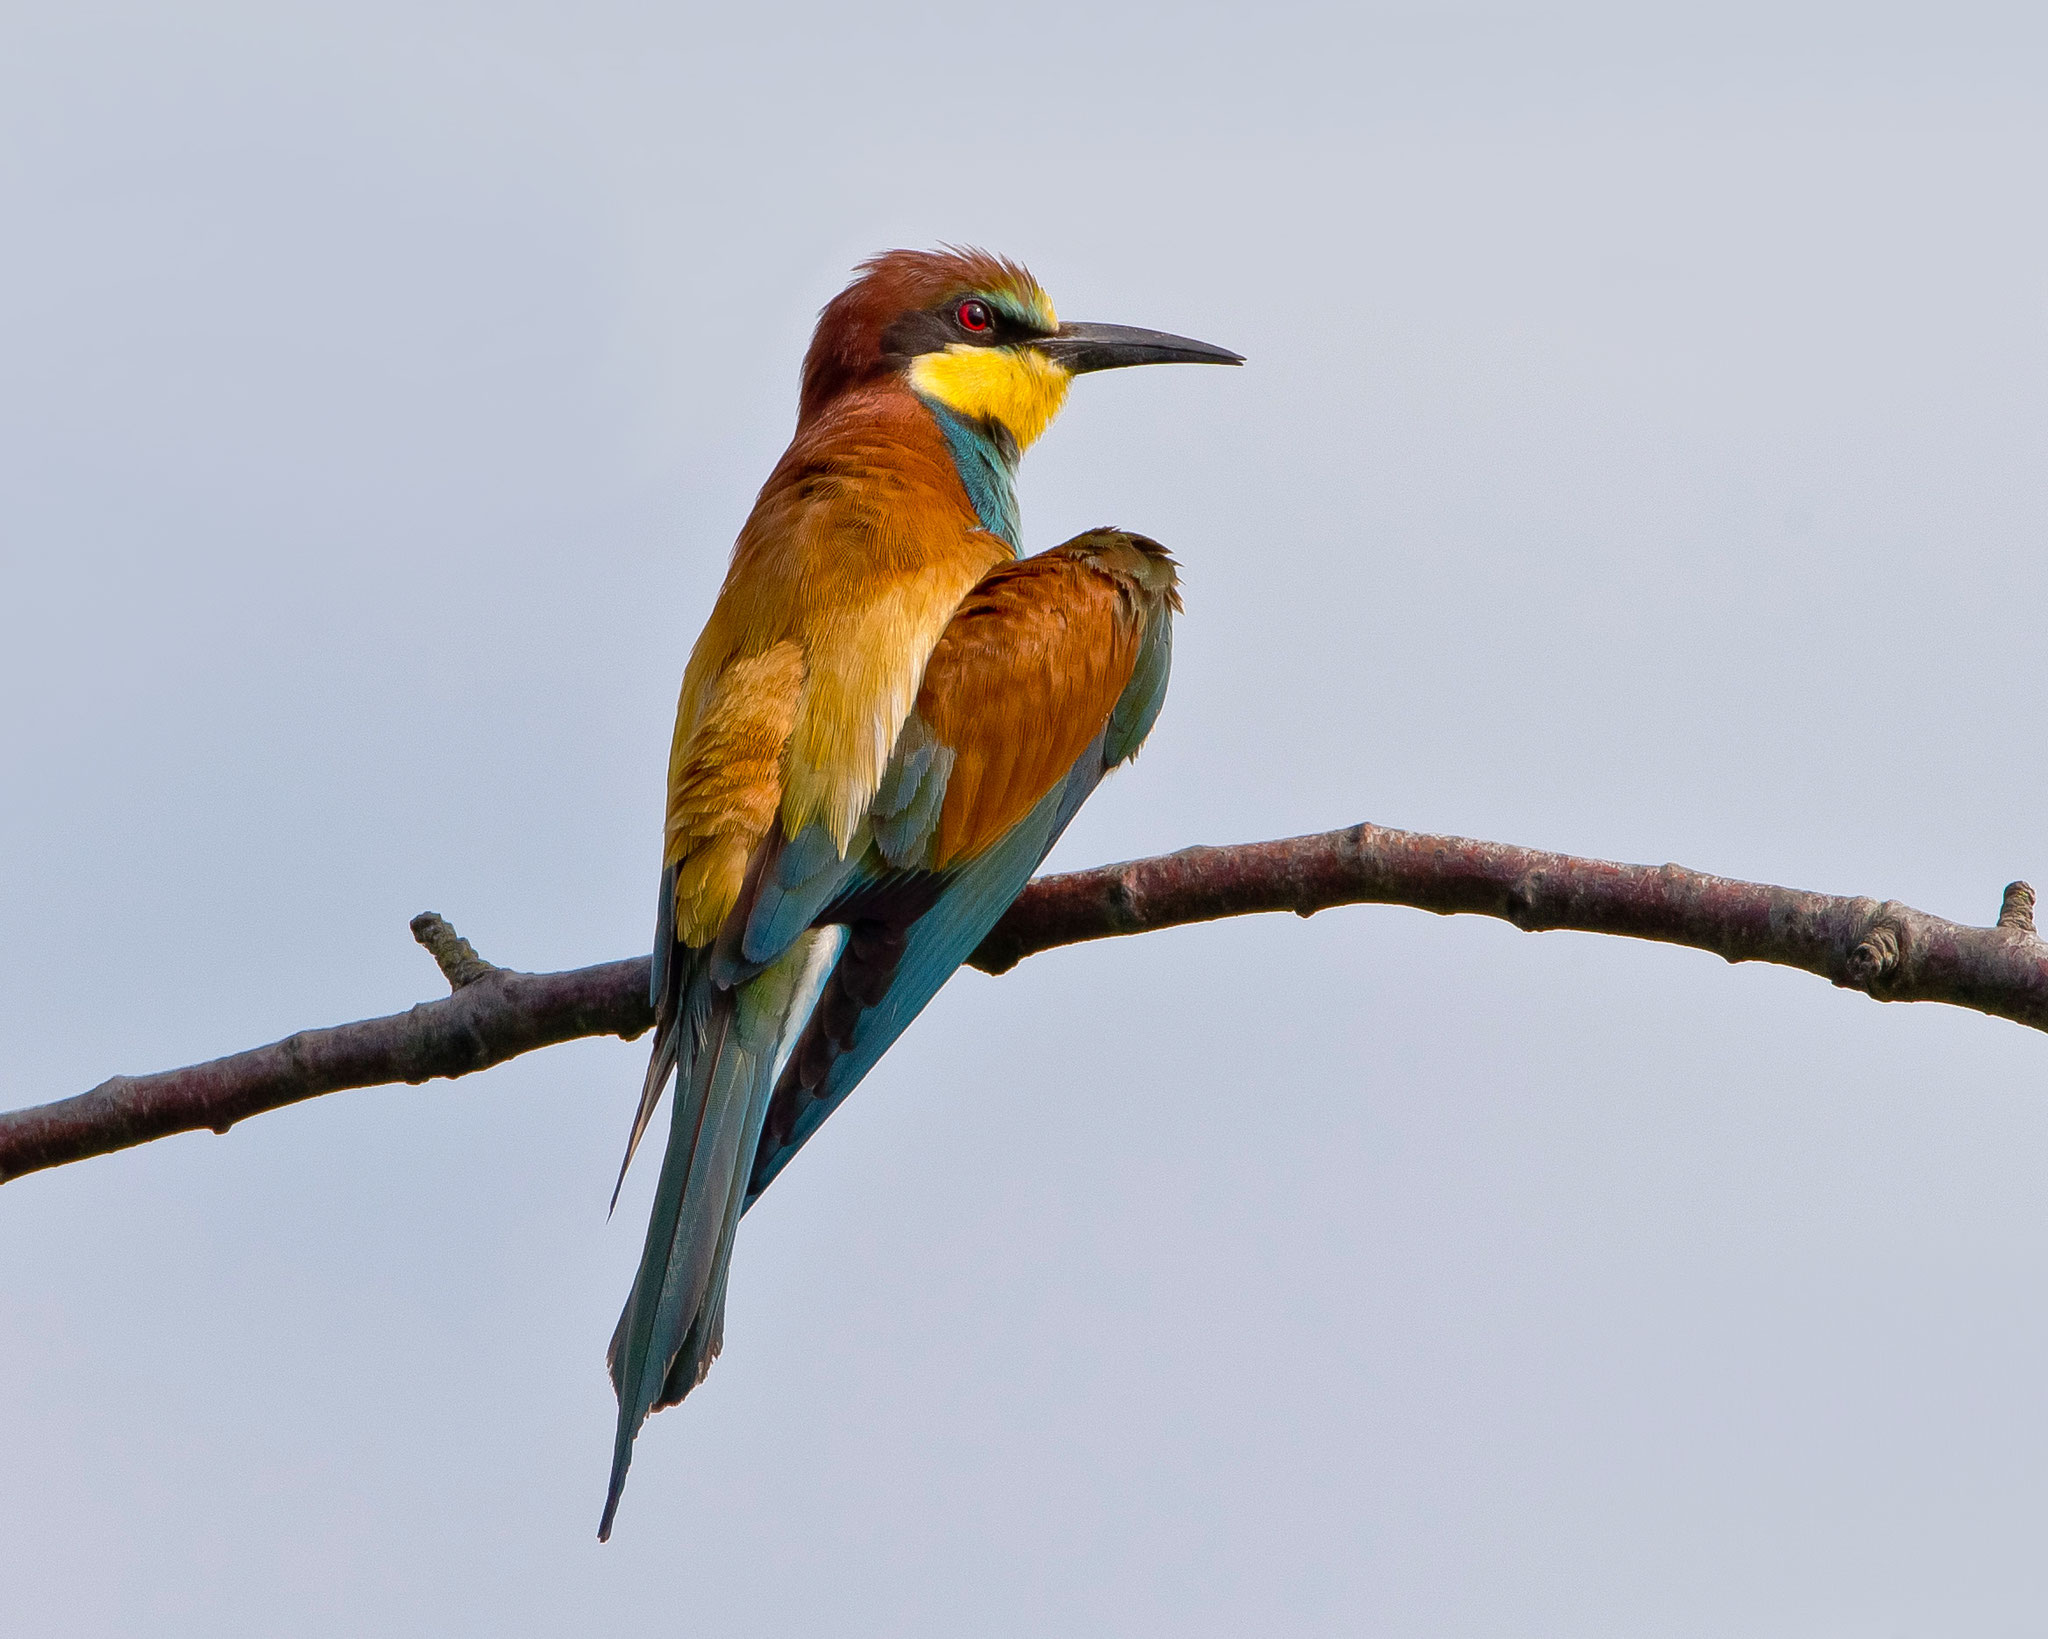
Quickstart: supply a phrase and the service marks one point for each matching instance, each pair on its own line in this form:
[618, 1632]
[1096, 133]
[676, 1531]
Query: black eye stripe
[934, 329]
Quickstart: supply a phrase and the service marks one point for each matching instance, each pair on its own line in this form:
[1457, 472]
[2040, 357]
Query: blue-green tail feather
[673, 1323]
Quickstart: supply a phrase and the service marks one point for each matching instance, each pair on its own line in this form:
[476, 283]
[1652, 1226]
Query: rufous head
[974, 334]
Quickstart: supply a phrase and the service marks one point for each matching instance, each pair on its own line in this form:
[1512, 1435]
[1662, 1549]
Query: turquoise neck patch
[988, 472]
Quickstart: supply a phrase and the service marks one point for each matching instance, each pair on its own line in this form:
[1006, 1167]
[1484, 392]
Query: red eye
[973, 315]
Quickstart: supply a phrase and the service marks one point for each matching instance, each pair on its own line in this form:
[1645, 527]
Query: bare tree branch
[1887, 950]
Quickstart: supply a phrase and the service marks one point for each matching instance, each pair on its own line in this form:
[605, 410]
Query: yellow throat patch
[1017, 386]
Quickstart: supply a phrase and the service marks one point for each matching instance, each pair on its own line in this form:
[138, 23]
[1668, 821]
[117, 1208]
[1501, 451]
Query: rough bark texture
[498, 1016]
[1887, 950]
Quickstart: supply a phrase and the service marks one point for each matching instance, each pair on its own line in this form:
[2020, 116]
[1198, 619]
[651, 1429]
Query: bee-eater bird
[888, 720]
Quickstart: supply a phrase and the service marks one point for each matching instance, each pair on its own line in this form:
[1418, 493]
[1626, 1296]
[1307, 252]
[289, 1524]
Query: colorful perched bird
[886, 724]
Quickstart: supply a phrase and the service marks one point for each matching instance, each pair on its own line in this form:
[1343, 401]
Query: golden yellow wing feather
[855, 557]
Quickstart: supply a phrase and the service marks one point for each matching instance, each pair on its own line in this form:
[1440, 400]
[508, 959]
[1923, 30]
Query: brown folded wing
[1024, 677]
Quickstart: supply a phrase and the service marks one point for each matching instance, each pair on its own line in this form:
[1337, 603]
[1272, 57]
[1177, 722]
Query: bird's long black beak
[1080, 348]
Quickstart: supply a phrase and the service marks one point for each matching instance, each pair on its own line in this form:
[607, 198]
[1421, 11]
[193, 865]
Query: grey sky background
[1640, 455]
